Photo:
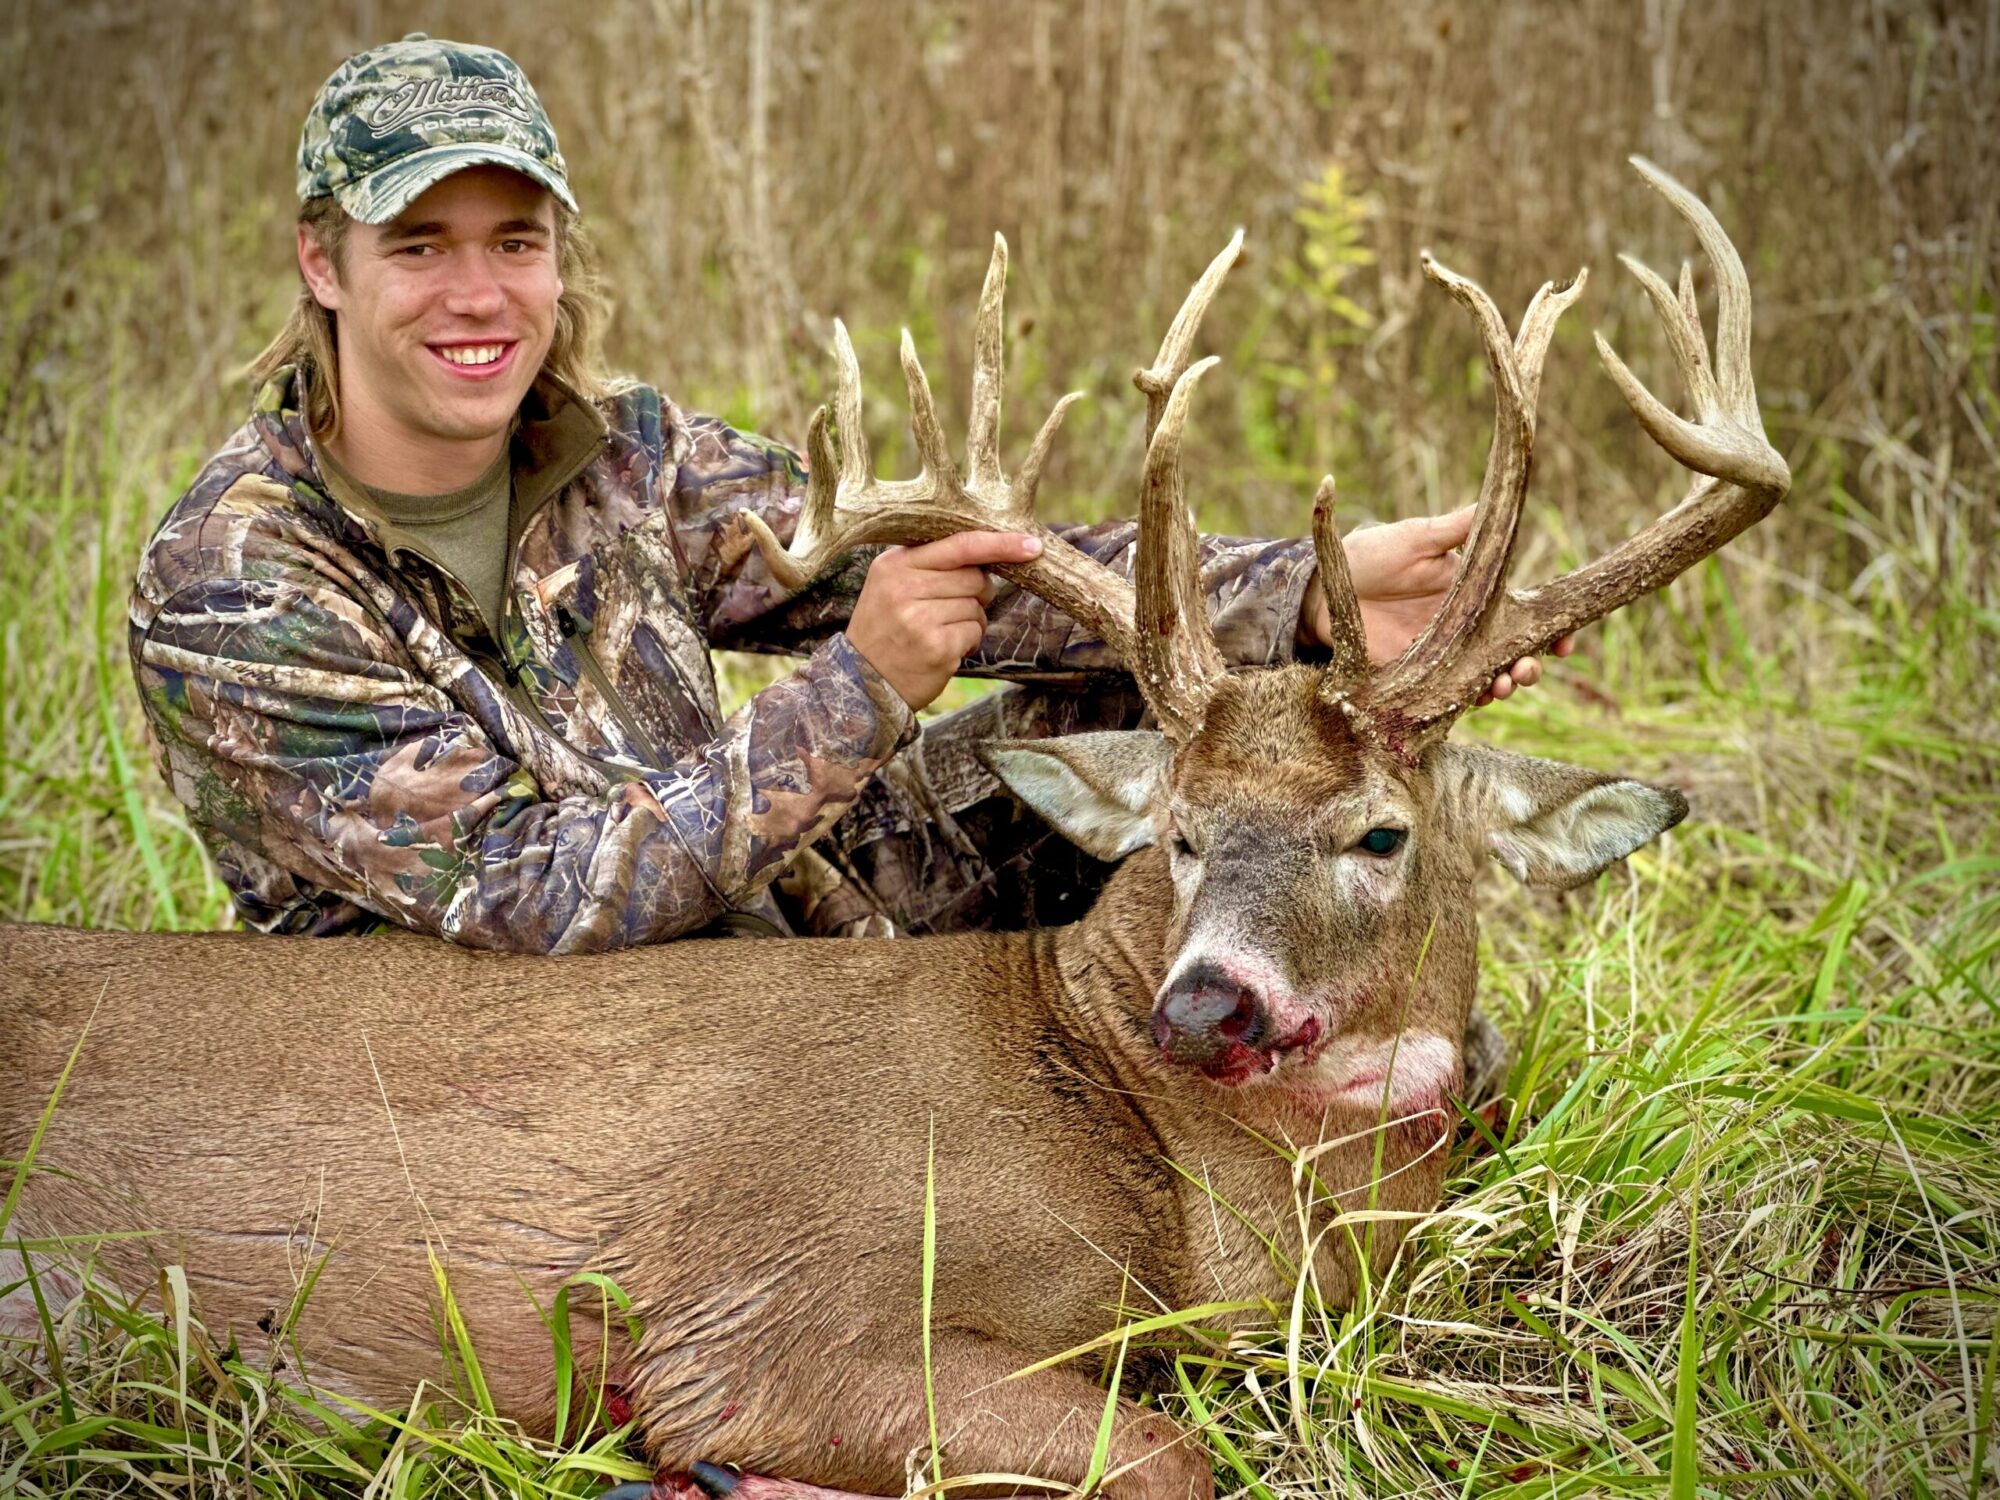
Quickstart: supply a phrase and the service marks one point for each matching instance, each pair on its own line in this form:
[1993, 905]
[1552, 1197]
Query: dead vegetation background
[751, 170]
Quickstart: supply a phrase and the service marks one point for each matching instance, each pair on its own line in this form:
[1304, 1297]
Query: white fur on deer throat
[1420, 1068]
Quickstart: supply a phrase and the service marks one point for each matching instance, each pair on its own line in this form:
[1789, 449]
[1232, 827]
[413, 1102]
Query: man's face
[446, 311]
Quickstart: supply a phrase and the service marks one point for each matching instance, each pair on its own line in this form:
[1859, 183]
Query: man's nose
[474, 292]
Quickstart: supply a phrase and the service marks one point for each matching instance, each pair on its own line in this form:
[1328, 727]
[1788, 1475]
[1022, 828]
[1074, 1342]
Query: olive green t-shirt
[464, 531]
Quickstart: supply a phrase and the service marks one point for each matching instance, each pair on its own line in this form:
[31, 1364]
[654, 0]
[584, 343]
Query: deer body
[278, 1110]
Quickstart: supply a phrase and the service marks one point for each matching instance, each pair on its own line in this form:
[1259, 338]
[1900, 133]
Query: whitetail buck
[1281, 971]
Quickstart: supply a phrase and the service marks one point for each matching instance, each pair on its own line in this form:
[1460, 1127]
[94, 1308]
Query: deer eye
[1380, 841]
[1178, 845]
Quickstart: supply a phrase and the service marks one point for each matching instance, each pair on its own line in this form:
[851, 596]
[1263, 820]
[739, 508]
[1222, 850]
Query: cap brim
[382, 194]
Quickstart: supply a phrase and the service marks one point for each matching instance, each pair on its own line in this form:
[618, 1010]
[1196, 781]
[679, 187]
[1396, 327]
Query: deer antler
[1482, 625]
[1160, 631]
[846, 506]
[1174, 656]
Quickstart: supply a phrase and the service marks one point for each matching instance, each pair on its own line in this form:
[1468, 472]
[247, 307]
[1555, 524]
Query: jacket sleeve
[294, 723]
[1255, 589]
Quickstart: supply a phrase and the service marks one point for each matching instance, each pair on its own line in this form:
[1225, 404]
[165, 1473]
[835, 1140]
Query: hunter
[427, 641]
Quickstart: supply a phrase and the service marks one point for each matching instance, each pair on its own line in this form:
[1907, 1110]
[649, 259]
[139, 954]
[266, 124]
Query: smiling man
[426, 642]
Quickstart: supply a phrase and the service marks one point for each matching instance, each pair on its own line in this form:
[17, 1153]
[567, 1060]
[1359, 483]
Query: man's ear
[317, 268]
[1550, 823]
[1098, 790]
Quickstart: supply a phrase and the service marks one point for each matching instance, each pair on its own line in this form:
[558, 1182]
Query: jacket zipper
[577, 633]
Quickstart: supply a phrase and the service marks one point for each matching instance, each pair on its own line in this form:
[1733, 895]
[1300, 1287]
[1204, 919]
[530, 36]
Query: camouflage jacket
[354, 745]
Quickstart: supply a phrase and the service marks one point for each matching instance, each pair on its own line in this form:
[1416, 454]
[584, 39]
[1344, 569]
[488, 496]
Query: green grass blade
[461, 1339]
[930, 1284]
[1100, 1448]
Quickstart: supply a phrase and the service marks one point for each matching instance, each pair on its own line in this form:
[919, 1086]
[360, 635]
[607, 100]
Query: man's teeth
[474, 354]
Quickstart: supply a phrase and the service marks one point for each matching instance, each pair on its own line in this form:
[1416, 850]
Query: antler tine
[856, 463]
[1029, 480]
[1732, 318]
[1349, 666]
[931, 446]
[982, 441]
[1684, 335]
[1538, 327]
[1159, 379]
[1725, 401]
[1174, 655]
[1740, 478]
[817, 535]
[846, 506]
[795, 569]
[1482, 573]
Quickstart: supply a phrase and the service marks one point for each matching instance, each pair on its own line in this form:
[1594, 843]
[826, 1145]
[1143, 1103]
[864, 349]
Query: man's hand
[1400, 574]
[922, 610]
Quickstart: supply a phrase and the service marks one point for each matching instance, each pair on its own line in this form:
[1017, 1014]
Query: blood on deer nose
[1205, 1011]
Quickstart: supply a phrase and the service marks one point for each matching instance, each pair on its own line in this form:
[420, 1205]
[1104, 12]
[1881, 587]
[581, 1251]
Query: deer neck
[1114, 961]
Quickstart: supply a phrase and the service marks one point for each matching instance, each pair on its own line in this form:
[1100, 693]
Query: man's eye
[1383, 840]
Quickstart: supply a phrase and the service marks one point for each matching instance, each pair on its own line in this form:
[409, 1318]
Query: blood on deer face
[1322, 937]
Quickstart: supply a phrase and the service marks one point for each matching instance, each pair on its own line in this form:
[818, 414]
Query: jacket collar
[556, 435]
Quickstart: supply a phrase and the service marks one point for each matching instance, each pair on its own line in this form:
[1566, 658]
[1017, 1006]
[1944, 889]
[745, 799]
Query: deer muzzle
[1224, 1024]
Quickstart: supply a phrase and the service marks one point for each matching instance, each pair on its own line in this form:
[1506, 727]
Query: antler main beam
[1483, 626]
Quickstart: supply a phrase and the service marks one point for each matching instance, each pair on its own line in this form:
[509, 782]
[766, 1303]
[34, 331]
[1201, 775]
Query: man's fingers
[1526, 672]
[1449, 530]
[960, 612]
[973, 549]
[1566, 645]
[947, 583]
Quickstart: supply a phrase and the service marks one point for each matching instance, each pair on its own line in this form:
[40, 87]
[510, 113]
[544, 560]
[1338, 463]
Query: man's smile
[476, 361]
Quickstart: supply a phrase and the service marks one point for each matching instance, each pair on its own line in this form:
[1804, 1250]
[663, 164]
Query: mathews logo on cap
[394, 120]
[429, 97]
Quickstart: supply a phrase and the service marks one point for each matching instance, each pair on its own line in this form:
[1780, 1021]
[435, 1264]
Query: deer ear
[1097, 790]
[1550, 823]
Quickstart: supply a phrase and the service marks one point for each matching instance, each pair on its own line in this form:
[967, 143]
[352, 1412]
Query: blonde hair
[307, 339]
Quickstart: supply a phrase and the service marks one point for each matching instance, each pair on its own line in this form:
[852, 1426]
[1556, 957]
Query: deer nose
[1205, 1011]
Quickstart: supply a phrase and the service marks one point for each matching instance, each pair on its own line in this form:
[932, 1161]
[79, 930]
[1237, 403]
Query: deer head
[1320, 836]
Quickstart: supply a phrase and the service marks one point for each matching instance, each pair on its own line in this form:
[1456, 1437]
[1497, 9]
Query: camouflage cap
[395, 119]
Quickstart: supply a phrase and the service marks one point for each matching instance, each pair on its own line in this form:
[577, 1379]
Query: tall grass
[1738, 1232]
